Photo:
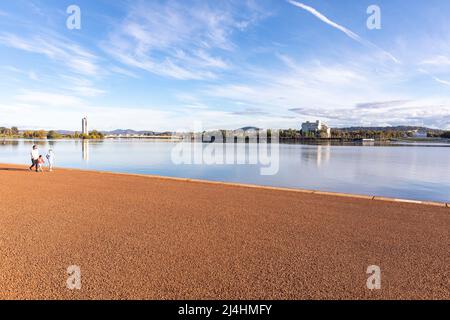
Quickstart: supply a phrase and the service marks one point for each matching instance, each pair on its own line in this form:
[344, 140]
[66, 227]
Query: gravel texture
[154, 238]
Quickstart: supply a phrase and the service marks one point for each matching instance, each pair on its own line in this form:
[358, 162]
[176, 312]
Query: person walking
[34, 158]
[40, 165]
[51, 159]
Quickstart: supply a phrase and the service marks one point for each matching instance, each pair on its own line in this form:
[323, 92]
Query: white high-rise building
[84, 126]
[316, 127]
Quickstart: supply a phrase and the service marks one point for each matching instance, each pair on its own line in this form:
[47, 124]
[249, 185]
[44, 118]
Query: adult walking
[34, 158]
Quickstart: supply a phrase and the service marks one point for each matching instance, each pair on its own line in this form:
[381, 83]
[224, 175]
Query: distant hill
[345, 129]
[117, 132]
[249, 128]
[65, 132]
[130, 132]
[396, 128]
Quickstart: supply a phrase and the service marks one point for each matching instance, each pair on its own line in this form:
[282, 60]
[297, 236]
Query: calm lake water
[419, 172]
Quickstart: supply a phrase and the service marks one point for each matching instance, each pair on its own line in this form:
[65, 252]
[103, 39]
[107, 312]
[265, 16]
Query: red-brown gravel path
[149, 238]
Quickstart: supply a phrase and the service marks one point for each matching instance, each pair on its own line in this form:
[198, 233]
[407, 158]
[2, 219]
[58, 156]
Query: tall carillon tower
[84, 126]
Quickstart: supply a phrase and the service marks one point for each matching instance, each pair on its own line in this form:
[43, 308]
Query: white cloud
[12, 69]
[86, 91]
[445, 82]
[435, 78]
[48, 117]
[196, 41]
[47, 99]
[80, 86]
[341, 94]
[307, 84]
[176, 39]
[57, 49]
[438, 61]
[122, 71]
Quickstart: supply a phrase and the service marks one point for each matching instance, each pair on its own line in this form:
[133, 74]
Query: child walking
[40, 164]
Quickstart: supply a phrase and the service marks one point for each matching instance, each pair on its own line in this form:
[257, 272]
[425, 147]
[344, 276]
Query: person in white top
[34, 158]
[51, 159]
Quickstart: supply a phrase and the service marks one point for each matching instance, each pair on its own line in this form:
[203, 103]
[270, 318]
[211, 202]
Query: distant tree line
[369, 134]
[446, 135]
[14, 132]
[94, 134]
[289, 134]
[355, 134]
[345, 134]
[37, 134]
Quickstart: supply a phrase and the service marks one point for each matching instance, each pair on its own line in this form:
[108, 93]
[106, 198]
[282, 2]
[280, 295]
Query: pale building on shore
[315, 128]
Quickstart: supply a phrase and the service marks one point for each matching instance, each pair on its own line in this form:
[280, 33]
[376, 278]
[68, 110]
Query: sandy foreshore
[154, 238]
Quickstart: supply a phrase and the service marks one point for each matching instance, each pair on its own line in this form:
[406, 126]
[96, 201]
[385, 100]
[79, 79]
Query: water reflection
[319, 155]
[39, 143]
[416, 172]
[323, 155]
[12, 143]
[85, 150]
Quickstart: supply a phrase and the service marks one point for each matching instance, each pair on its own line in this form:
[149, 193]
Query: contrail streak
[343, 29]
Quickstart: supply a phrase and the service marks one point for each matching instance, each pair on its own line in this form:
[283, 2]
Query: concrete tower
[84, 126]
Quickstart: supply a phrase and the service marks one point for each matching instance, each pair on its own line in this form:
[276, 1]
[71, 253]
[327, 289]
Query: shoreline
[262, 187]
[171, 238]
[306, 141]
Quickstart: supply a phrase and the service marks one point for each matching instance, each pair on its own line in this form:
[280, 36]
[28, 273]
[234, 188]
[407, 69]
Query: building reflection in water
[85, 149]
[323, 154]
[319, 154]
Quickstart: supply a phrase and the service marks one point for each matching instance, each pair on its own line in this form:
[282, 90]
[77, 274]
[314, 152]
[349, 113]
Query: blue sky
[165, 65]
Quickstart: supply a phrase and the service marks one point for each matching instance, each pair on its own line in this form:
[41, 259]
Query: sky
[175, 65]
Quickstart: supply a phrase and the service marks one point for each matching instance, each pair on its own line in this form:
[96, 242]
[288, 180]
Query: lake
[420, 172]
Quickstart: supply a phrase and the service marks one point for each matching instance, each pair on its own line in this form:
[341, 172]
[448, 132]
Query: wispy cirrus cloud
[177, 40]
[123, 71]
[55, 48]
[110, 118]
[380, 105]
[246, 70]
[434, 77]
[334, 93]
[438, 61]
[441, 81]
[251, 112]
[80, 86]
[312, 83]
[341, 28]
[47, 98]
